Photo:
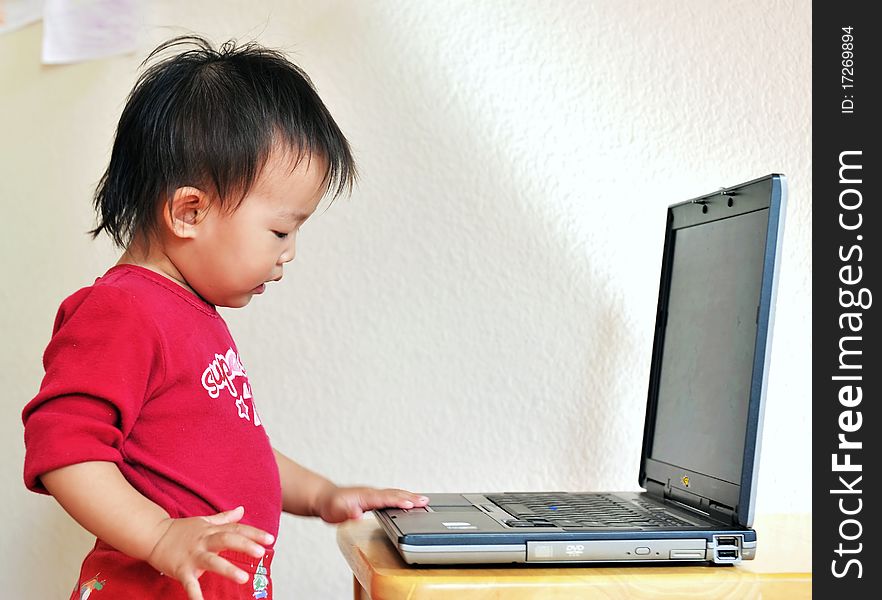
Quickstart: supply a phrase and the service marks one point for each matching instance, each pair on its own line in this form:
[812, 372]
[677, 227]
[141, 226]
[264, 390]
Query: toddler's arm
[100, 499]
[309, 494]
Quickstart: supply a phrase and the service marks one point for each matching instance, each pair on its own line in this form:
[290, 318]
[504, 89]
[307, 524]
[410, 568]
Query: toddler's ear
[185, 211]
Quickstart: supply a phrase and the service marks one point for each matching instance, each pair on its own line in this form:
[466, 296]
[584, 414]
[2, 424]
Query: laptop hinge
[721, 512]
[717, 512]
[654, 488]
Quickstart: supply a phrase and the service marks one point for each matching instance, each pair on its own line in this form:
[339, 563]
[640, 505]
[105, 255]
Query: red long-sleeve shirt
[143, 373]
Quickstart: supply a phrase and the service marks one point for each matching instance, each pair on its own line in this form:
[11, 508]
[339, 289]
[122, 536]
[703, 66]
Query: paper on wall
[15, 14]
[77, 30]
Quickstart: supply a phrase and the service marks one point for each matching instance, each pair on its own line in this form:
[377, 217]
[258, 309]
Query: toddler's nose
[288, 255]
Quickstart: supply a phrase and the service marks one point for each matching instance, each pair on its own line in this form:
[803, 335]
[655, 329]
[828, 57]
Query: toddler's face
[237, 253]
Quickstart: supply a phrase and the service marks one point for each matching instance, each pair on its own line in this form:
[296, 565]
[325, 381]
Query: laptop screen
[711, 349]
[707, 358]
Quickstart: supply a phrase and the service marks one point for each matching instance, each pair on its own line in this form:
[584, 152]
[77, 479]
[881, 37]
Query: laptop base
[475, 532]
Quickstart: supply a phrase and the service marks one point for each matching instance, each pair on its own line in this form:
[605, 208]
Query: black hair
[209, 118]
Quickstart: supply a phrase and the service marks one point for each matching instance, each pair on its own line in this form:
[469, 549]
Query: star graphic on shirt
[243, 409]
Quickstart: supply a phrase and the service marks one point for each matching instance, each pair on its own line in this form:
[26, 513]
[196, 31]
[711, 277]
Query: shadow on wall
[478, 287]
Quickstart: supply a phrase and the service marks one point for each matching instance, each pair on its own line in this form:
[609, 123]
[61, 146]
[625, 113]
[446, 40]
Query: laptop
[701, 440]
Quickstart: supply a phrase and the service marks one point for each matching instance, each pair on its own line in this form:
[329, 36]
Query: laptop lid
[711, 349]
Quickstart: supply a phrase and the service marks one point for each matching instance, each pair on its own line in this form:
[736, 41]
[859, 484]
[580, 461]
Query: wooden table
[782, 569]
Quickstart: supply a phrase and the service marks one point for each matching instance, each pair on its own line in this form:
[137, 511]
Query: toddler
[145, 427]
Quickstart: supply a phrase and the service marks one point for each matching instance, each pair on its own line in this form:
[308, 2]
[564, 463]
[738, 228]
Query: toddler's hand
[189, 547]
[338, 504]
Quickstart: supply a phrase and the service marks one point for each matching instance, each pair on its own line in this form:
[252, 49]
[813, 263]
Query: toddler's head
[206, 134]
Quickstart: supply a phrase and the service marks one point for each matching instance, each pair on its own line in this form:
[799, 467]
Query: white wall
[478, 316]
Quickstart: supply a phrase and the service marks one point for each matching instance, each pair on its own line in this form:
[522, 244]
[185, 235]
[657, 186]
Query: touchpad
[451, 508]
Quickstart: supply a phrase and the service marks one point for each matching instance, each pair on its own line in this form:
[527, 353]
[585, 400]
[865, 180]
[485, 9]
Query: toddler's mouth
[262, 287]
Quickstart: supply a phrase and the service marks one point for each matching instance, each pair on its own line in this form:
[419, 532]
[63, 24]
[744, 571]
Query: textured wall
[478, 316]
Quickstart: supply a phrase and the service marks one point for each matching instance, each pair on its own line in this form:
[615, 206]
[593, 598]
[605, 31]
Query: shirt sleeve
[102, 363]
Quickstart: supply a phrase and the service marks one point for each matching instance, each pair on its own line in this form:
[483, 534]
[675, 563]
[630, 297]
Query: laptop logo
[459, 525]
[685, 480]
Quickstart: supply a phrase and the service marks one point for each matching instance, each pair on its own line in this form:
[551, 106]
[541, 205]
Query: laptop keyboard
[607, 511]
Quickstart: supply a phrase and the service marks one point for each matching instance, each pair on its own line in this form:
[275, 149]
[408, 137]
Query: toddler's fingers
[394, 497]
[228, 516]
[228, 540]
[252, 533]
[191, 586]
[404, 497]
[223, 567]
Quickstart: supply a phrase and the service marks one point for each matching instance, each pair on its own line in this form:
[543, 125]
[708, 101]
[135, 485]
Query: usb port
[727, 548]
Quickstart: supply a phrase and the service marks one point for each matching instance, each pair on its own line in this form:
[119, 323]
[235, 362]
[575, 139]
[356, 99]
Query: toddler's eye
[281, 235]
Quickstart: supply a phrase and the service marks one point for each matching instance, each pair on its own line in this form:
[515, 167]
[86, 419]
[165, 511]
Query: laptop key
[515, 523]
[517, 510]
[566, 523]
